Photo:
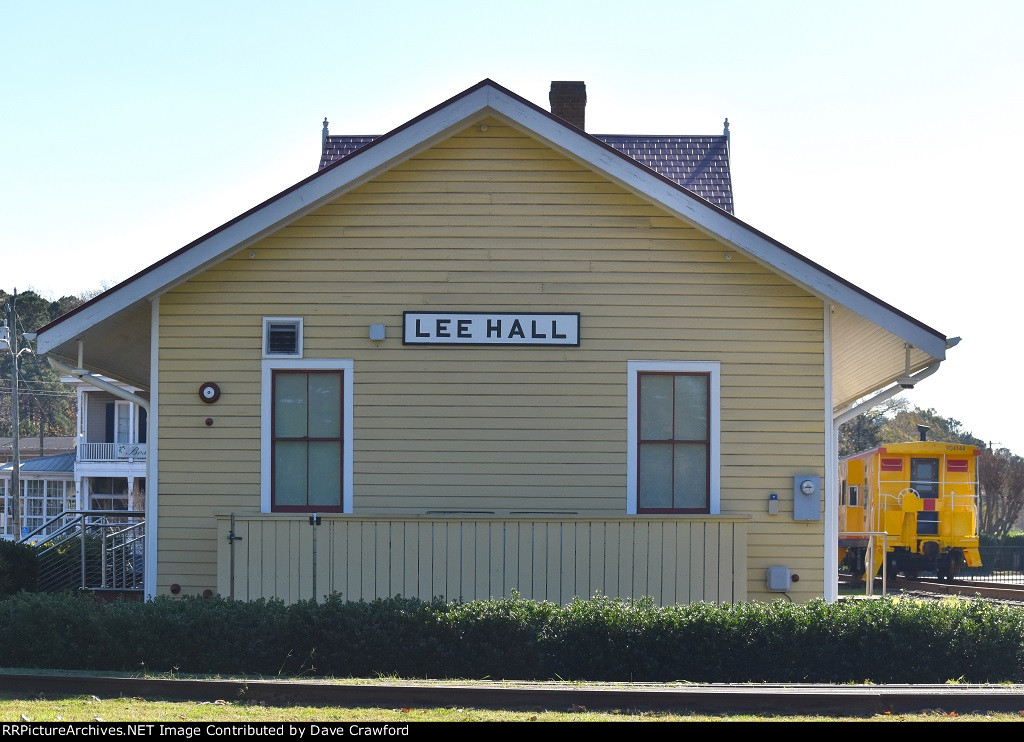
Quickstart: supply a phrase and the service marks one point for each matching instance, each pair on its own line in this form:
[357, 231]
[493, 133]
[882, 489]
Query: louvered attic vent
[282, 336]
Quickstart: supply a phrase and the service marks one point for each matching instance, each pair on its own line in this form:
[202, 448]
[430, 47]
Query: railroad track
[934, 588]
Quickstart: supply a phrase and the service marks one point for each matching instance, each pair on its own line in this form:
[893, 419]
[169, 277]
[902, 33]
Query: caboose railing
[869, 558]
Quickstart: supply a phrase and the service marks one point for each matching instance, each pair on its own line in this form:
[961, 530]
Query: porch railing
[111, 451]
[91, 550]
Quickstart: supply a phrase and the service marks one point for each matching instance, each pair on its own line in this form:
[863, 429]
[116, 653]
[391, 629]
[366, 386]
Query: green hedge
[889, 640]
[18, 565]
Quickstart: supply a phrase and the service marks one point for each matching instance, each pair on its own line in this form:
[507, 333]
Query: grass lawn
[90, 708]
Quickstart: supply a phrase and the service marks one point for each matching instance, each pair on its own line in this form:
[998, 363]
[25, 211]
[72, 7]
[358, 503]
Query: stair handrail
[81, 514]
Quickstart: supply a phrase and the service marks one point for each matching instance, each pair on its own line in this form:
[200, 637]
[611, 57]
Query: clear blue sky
[880, 139]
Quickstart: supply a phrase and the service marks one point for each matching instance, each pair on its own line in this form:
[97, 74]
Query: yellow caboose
[923, 495]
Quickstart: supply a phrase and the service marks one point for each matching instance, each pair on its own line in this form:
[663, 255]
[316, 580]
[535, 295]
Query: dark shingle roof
[336, 147]
[698, 163]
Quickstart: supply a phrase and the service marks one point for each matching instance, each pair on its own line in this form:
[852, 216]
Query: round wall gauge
[209, 392]
[807, 487]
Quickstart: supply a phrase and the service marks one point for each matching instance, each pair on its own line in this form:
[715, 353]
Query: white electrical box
[779, 579]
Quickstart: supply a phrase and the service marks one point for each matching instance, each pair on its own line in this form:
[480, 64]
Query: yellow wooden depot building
[489, 353]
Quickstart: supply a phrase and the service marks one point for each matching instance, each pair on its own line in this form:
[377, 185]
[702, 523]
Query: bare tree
[1001, 479]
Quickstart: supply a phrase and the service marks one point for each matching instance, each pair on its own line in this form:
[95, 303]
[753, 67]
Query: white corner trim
[831, 479]
[714, 369]
[269, 365]
[152, 455]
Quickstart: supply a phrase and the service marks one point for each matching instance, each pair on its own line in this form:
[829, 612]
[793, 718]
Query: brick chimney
[569, 101]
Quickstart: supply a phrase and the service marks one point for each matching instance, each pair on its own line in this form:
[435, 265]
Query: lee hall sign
[490, 328]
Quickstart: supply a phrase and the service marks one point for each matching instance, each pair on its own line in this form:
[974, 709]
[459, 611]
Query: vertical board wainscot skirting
[671, 560]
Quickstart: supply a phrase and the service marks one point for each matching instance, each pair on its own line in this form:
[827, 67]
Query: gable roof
[868, 337]
[698, 163]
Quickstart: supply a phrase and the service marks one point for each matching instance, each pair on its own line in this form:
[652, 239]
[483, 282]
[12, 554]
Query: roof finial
[725, 128]
[323, 142]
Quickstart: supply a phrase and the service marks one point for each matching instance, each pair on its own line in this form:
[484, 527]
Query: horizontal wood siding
[492, 221]
[677, 560]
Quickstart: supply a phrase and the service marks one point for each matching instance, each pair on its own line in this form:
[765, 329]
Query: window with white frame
[282, 337]
[673, 438]
[306, 436]
[35, 504]
[43, 500]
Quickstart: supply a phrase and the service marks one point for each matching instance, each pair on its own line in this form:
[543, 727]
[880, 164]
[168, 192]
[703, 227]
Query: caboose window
[924, 477]
[854, 496]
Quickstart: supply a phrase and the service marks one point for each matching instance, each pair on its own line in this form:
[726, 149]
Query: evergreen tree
[46, 406]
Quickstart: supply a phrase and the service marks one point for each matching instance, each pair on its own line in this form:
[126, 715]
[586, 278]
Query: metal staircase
[99, 551]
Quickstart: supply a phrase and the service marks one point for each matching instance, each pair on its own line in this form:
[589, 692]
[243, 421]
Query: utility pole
[10, 339]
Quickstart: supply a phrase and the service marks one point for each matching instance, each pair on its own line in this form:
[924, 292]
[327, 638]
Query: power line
[33, 389]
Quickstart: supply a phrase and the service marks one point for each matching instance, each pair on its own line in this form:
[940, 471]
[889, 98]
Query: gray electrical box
[779, 579]
[806, 497]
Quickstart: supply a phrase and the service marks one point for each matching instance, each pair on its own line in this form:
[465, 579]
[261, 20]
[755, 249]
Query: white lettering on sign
[490, 328]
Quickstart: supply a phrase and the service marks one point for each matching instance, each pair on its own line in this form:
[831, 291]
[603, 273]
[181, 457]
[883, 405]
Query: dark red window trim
[892, 465]
[274, 507]
[706, 442]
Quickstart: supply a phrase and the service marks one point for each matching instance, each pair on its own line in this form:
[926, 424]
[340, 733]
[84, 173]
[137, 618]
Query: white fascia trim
[831, 562]
[714, 369]
[152, 453]
[269, 365]
[711, 220]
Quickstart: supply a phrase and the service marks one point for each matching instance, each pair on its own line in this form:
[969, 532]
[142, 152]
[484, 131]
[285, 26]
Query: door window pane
[122, 422]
